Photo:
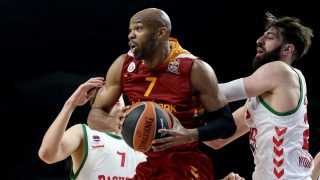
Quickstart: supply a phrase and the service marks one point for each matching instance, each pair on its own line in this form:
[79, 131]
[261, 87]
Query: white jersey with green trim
[107, 156]
[279, 140]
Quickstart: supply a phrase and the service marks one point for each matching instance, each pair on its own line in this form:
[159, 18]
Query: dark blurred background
[48, 48]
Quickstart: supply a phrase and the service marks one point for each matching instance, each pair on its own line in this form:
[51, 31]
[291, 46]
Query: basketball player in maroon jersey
[158, 69]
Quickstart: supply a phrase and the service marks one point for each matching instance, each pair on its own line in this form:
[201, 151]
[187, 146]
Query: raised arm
[99, 118]
[273, 81]
[57, 143]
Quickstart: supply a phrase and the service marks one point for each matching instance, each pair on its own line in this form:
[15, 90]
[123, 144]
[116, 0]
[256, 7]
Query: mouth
[132, 46]
[260, 50]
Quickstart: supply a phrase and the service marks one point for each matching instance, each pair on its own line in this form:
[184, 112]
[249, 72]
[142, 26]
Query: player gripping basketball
[158, 69]
[141, 125]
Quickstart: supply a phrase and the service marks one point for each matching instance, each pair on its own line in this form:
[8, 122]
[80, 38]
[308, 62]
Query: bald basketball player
[158, 69]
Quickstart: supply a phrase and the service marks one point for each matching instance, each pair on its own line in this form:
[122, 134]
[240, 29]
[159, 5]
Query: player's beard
[146, 50]
[267, 57]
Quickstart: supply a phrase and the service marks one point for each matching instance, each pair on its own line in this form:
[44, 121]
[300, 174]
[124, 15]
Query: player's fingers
[171, 115]
[120, 121]
[125, 108]
[96, 79]
[122, 115]
[176, 122]
[91, 94]
[119, 129]
[169, 132]
[161, 140]
[163, 146]
[230, 176]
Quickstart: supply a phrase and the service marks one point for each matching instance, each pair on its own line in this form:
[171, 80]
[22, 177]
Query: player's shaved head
[154, 17]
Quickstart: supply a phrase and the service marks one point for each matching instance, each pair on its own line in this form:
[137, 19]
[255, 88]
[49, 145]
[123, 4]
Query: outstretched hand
[84, 92]
[177, 135]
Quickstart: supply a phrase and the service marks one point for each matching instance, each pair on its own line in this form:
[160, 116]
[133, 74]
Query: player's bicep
[265, 79]
[107, 97]
[205, 84]
[109, 94]
[70, 142]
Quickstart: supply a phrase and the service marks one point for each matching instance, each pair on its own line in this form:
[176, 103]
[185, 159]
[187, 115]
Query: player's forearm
[220, 125]
[52, 140]
[234, 90]
[99, 120]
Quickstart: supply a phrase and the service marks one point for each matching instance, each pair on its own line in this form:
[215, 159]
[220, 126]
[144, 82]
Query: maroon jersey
[169, 85]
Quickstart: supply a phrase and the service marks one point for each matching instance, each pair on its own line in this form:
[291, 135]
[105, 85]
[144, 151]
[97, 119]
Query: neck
[286, 60]
[161, 53]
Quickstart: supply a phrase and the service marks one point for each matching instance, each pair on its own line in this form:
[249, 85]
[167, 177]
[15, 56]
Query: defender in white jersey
[279, 140]
[276, 112]
[95, 155]
[106, 156]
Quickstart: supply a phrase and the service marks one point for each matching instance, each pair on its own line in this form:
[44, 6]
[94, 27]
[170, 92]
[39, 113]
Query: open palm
[84, 92]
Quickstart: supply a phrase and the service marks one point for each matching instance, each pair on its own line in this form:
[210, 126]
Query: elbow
[45, 155]
[221, 142]
[230, 130]
[216, 145]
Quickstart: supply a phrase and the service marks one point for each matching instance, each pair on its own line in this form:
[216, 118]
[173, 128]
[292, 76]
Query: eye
[139, 29]
[270, 37]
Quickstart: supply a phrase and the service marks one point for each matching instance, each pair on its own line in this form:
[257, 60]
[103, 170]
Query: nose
[260, 40]
[131, 35]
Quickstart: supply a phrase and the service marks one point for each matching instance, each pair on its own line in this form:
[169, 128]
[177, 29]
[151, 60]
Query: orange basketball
[141, 125]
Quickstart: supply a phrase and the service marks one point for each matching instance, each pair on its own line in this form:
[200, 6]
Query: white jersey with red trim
[107, 156]
[279, 140]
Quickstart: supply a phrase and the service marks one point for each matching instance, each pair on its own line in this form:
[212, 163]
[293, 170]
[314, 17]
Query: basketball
[141, 125]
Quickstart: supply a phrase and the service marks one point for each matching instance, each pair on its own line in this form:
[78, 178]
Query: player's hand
[120, 116]
[233, 176]
[85, 92]
[177, 135]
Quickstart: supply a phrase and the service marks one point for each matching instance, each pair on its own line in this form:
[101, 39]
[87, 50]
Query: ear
[288, 49]
[162, 32]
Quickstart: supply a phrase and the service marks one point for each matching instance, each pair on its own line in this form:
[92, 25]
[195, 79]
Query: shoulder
[276, 71]
[202, 69]
[116, 67]
[77, 127]
[275, 67]
[269, 77]
[120, 59]
[202, 72]
[199, 65]
[77, 130]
